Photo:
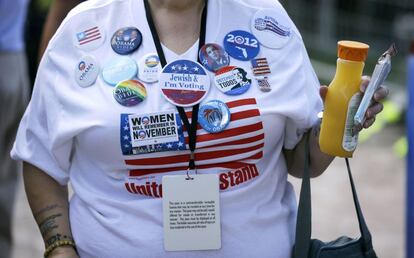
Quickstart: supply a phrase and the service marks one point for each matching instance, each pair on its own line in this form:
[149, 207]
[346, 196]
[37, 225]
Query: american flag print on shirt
[260, 66]
[240, 144]
[88, 35]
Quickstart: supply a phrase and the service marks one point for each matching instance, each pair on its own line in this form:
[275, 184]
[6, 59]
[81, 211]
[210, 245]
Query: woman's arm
[49, 203]
[319, 161]
[57, 12]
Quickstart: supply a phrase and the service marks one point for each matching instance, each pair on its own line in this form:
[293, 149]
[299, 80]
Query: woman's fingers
[376, 106]
[381, 93]
[373, 110]
[364, 83]
[323, 90]
[369, 122]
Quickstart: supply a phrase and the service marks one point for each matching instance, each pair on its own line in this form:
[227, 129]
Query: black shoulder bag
[342, 247]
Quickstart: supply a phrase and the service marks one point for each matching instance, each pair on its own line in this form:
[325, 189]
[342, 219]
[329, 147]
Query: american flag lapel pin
[263, 84]
[261, 68]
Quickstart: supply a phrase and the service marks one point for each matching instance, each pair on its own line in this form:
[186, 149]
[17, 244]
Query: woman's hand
[375, 107]
[63, 252]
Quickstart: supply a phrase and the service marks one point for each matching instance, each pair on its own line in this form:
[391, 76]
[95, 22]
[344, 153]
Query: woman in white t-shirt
[78, 131]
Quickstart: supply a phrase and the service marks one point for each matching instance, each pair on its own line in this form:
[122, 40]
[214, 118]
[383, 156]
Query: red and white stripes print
[241, 143]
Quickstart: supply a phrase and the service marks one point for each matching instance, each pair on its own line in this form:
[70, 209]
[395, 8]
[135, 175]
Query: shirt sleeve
[306, 103]
[41, 139]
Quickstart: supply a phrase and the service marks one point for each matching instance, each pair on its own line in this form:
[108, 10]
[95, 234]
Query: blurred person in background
[14, 95]
[57, 12]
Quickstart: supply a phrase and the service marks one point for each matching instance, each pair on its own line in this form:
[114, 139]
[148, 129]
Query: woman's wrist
[60, 247]
[66, 251]
[319, 161]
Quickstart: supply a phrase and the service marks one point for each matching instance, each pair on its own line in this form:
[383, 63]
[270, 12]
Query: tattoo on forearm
[48, 208]
[57, 237]
[49, 224]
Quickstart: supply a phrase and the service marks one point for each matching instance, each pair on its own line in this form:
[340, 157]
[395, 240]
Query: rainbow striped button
[130, 93]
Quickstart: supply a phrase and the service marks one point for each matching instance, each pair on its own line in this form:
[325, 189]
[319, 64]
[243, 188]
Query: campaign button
[213, 57]
[88, 37]
[126, 40]
[86, 71]
[232, 80]
[120, 69]
[130, 93]
[214, 116]
[149, 67]
[271, 27]
[241, 45]
[184, 82]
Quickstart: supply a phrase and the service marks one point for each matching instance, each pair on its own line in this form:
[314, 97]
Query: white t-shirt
[82, 135]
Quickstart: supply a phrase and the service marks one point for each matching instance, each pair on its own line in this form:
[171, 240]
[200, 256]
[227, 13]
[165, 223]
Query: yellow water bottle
[342, 100]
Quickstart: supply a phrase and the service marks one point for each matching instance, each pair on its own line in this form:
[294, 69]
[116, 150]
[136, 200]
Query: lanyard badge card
[191, 212]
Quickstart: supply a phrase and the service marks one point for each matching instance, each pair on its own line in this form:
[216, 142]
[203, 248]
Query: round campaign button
[213, 57]
[149, 67]
[88, 37]
[130, 93]
[119, 69]
[232, 80]
[184, 82]
[271, 27]
[86, 71]
[241, 45]
[126, 40]
[214, 116]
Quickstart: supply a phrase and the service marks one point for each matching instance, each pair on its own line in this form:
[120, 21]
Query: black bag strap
[365, 234]
[304, 219]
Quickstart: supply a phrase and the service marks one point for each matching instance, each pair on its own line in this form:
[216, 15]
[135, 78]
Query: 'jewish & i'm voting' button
[184, 82]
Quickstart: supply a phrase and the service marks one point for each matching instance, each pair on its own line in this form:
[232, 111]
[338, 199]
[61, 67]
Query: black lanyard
[191, 128]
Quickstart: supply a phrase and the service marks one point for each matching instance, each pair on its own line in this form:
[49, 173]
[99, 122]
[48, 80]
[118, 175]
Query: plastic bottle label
[350, 141]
